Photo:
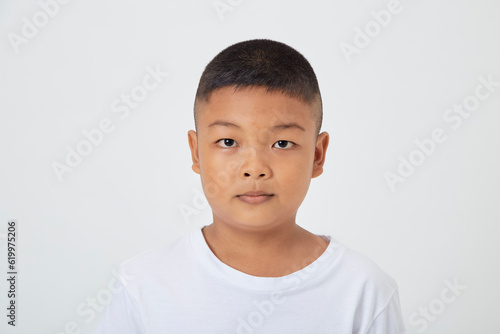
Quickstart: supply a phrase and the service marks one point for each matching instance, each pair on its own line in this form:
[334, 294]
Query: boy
[258, 113]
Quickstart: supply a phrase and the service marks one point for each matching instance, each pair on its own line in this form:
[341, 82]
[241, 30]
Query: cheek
[293, 176]
[298, 165]
[217, 173]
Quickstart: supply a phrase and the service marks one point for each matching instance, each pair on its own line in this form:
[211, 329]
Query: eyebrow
[274, 128]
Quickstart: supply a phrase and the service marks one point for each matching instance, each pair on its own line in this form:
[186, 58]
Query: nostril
[248, 174]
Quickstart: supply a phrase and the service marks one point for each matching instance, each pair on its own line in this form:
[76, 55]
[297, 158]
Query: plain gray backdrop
[411, 91]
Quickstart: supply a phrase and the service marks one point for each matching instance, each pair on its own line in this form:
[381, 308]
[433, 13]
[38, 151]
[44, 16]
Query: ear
[320, 153]
[193, 145]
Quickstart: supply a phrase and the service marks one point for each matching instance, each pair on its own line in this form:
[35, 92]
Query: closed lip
[255, 193]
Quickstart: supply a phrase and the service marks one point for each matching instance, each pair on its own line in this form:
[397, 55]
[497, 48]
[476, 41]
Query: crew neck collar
[265, 284]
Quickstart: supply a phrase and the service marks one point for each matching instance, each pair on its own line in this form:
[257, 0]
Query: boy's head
[262, 63]
[258, 112]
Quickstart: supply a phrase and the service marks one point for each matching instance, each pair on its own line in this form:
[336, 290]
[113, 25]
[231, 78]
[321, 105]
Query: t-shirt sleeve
[390, 320]
[122, 315]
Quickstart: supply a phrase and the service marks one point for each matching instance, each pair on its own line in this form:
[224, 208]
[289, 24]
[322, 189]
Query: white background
[126, 196]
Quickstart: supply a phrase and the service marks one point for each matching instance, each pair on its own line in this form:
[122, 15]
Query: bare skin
[303, 250]
[252, 140]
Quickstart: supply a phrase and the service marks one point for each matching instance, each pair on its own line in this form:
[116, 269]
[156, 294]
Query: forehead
[253, 106]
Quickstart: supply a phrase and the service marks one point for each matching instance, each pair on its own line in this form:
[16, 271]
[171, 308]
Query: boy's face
[254, 141]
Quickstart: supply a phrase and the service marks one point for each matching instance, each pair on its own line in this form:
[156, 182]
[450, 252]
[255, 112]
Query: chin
[256, 221]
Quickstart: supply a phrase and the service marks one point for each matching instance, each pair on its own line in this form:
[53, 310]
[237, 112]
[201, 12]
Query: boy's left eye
[283, 144]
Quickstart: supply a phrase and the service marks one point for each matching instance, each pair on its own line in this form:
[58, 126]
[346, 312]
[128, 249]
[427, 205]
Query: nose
[255, 165]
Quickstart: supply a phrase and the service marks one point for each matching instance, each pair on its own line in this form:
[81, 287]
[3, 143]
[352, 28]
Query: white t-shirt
[183, 287]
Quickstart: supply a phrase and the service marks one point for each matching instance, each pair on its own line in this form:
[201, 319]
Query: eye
[284, 144]
[226, 142]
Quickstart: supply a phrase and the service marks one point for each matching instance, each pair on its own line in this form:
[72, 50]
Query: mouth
[254, 197]
[255, 193]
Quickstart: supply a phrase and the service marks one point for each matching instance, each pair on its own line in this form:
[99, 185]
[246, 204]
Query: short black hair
[265, 63]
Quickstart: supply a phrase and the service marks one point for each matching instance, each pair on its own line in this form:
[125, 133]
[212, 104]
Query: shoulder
[363, 283]
[156, 261]
[362, 273]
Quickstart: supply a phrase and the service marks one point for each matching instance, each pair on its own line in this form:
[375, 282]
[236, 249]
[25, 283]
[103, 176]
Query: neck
[271, 252]
[253, 242]
[258, 251]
